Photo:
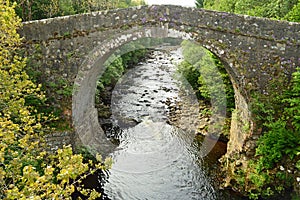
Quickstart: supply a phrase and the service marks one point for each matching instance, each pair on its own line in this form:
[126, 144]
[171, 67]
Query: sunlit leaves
[294, 14]
[276, 9]
[27, 171]
[40, 9]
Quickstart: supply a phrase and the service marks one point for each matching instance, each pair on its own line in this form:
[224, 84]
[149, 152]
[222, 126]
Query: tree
[276, 9]
[294, 14]
[32, 9]
[199, 3]
[220, 5]
[40, 9]
[279, 143]
[27, 171]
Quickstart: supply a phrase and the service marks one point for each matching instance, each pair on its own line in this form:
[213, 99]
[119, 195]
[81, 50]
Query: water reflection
[157, 161]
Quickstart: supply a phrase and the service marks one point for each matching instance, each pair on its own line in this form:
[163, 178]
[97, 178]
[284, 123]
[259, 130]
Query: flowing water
[157, 159]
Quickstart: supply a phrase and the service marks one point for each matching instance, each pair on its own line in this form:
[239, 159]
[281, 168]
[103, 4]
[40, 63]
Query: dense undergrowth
[274, 168]
[27, 170]
[277, 161]
[207, 76]
[275, 9]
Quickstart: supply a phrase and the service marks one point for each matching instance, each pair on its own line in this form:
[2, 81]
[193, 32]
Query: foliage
[40, 9]
[194, 58]
[30, 9]
[118, 63]
[294, 14]
[112, 73]
[61, 87]
[117, 67]
[26, 170]
[278, 146]
[221, 5]
[209, 80]
[277, 9]
[199, 62]
[199, 3]
[277, 143]
[191, 74]
[292, 98]
[283, 136]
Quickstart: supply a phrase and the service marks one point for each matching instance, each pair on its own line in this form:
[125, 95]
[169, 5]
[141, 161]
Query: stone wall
[256, 53]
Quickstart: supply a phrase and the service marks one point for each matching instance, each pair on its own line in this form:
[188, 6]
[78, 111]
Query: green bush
[202, 69]
[118, 66]
[283, 136]
[279, 144]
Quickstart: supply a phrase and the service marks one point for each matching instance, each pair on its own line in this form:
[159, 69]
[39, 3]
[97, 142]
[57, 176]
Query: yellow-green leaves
[27, 171]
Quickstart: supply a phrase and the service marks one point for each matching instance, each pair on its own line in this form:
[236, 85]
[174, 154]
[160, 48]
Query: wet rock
[177, 112]
[205, 119]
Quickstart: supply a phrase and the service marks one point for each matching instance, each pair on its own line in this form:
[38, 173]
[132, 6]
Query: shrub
[27, 171]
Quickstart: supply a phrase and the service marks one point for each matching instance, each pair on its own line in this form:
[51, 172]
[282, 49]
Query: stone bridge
[257, 53]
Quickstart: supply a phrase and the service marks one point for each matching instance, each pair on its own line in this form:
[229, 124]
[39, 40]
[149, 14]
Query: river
[159, 157]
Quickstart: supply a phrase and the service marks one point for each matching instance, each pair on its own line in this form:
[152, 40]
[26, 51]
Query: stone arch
[257, 52]
[84, 113]
[241, 120]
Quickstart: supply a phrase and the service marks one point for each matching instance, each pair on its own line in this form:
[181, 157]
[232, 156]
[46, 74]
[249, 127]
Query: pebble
[177, 112]
[206, 119]
[202, 126]
[238, 163]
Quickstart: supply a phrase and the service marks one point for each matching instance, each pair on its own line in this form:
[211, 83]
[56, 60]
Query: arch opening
[85, 115]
